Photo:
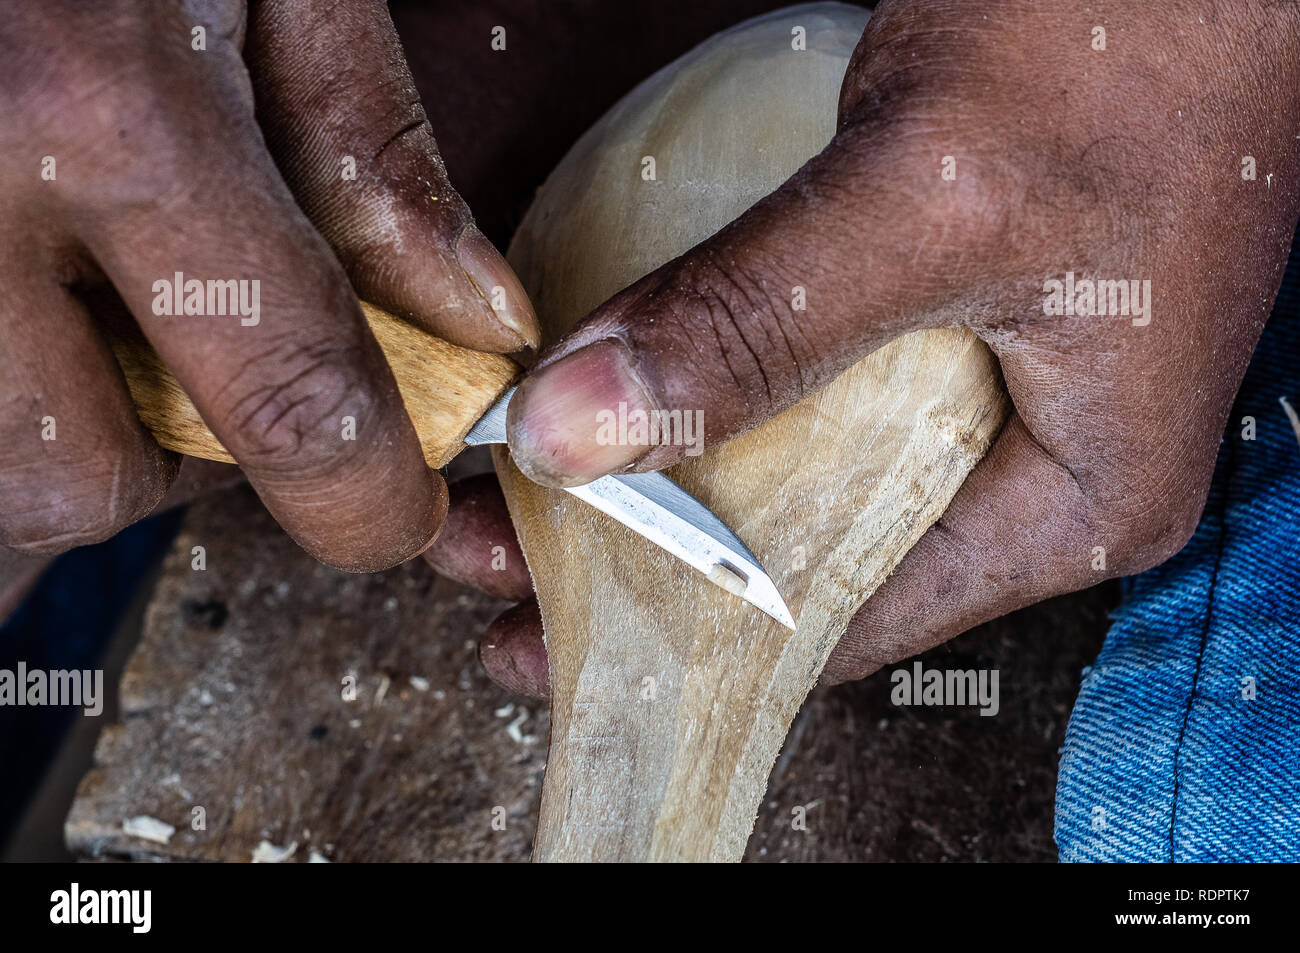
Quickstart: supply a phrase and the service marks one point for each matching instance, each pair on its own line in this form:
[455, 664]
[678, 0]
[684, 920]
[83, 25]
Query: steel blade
[655, 507]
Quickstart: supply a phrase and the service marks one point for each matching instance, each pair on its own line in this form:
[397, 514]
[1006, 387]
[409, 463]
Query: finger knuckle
[388, 136]
[49, 513]
[945, 178]
[76, 80]
[1152, 522]
[287, 409]
[403, 131]
[104, 104]
[743, 312]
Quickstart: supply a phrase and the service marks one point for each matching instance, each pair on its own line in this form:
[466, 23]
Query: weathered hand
[989, 156]
[282, 151]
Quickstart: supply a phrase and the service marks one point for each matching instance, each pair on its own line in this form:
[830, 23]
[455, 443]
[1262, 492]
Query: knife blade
[655, 507]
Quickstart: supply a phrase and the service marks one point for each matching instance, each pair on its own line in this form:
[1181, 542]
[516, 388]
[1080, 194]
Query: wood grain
[445, 388]
[671, 698]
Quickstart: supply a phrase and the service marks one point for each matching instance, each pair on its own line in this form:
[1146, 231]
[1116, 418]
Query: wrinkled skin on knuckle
[744, 305]
[1149, 510]
[929, 240]
[722, 336]
[45, 41]
[1088, 183]
[46, 513]
[129, 106]
[97, 65]
[355, 494]
[393, 227]
[400, 177]
[399, 149]
[312, 119]
[285, 407]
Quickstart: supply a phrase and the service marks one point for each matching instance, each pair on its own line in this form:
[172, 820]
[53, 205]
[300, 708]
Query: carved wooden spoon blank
[670, 699]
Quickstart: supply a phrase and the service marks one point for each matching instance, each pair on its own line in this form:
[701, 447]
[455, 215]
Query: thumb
[343, 120]
[862, 244]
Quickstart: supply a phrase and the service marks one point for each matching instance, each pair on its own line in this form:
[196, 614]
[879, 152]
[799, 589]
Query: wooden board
[671, 698]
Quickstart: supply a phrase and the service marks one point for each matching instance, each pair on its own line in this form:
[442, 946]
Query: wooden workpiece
[670, 697]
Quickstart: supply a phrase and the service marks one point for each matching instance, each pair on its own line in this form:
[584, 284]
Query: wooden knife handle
[445, 388]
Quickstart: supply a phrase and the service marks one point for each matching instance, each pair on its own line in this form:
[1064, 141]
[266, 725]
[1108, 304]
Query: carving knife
[457, 397]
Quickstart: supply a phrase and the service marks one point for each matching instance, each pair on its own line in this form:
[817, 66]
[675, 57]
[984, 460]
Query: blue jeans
[1184, 743]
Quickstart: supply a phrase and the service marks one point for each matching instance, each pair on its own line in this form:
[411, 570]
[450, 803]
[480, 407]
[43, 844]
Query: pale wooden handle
[445, 388]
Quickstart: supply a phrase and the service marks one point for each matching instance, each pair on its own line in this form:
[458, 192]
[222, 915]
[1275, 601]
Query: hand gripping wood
[671, 698]
[445, 388]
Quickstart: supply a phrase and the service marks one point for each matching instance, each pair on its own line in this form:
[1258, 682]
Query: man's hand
[985, 151]
[284, 145]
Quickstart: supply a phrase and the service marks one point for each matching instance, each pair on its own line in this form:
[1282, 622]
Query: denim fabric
[1164, 759]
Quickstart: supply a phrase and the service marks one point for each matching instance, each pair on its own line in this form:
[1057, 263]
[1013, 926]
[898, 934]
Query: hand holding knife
[456, 398]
